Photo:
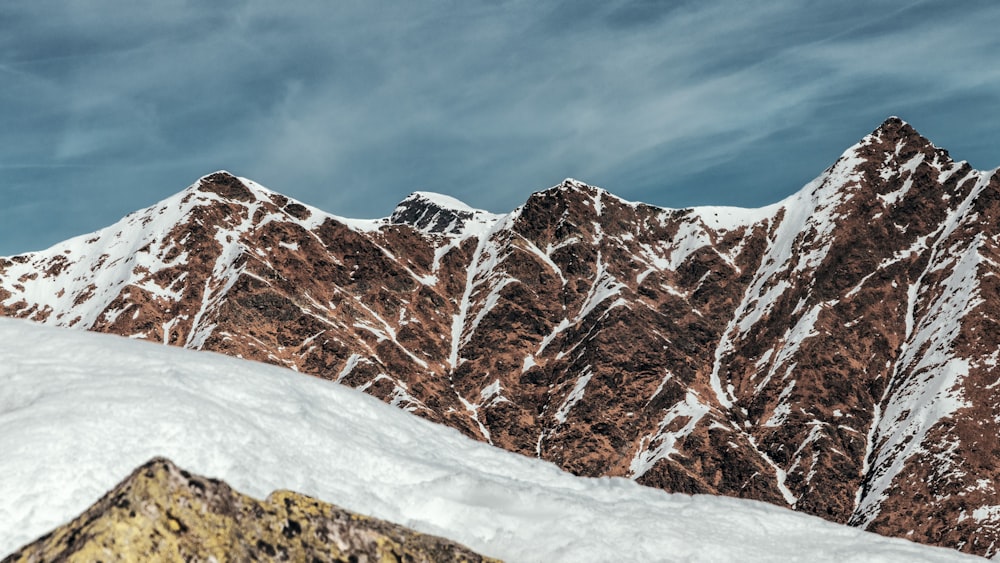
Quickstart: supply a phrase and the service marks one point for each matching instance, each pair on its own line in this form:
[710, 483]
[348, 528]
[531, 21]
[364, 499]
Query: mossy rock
[163, 513]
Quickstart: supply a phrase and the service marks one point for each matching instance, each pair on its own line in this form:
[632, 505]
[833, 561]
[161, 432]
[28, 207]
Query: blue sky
[108, 106]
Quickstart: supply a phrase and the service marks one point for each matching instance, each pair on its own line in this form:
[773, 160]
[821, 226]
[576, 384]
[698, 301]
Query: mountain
[80, 410]
[163, 512]
[835, 352]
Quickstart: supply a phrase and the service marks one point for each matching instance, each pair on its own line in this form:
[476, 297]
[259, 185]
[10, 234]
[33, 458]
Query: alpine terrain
[835, 353]
[80, 411]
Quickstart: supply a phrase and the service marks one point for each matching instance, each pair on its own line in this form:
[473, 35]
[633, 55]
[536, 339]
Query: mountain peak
[226, 185]
[894, 128]
[893, 146]
[573, 185]
[569, 186]
[439, 200]
[434, 213]
[572, 193]
[893, 134]
[230, 188]
[893, 121]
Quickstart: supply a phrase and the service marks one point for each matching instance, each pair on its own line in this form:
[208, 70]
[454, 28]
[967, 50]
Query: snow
[689, 238]
[892, 198]
[388, 333]
[931, 393]
[659, 388]
[94, 268]
[556, 330]
[782, 410]
[529, 362]
[80, 410]
[604, 287]
[480, 272]
[492, 391]
[663, 443]
[444, 201]
[489, 303]
[473, 409]
[986, 513]
[789, 345]
[545, 258]
[225, 273]
[780, 475]
[575, 395]
[722, 218]
[458, 320]
[349, 365]
[811, 208]
[473, 222]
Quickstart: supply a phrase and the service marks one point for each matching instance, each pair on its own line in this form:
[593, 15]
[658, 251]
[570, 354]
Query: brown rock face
[163, 513]
[835, 352]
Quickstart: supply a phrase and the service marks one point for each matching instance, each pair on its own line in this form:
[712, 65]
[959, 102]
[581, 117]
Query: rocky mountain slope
[835, 352]
[163, 513]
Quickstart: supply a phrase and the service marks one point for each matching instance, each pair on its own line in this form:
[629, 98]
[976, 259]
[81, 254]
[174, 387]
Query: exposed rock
[433, 213]
[836, 352]
[163, 513]
[227, 186]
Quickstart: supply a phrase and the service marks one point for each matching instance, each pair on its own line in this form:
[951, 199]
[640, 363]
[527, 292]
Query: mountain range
[835, 353]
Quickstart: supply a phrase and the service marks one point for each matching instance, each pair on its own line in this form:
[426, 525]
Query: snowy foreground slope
[79, 411]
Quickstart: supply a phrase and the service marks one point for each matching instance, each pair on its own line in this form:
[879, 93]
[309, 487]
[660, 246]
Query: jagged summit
[440, 200]
[895, 128]
[573, 183]
[234, 189]
[227, 186]
[434, 213]
[895, 139]
[892, 122]
[583, 189]
[572, 195]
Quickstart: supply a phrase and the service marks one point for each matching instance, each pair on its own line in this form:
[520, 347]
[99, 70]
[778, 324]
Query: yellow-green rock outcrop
[163, 513]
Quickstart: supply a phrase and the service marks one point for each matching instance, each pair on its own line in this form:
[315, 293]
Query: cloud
[351, 105]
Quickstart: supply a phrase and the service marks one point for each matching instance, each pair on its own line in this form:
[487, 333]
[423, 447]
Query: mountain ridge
[771, 362]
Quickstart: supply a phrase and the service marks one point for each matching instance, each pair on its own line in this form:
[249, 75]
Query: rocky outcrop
[163, 513]
[835, 352]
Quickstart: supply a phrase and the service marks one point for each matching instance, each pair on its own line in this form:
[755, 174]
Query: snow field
[79, 411]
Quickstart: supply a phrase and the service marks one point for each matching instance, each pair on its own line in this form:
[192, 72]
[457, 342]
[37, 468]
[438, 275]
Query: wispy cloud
[350, 105]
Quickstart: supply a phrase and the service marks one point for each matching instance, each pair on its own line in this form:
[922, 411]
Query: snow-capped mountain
[835, 352]
[80, 411]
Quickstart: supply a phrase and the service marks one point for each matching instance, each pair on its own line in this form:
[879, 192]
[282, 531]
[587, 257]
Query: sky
[109, 106]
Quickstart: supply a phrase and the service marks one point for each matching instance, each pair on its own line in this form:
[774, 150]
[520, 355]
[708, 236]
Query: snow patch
[663, 443]
[574, 396]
